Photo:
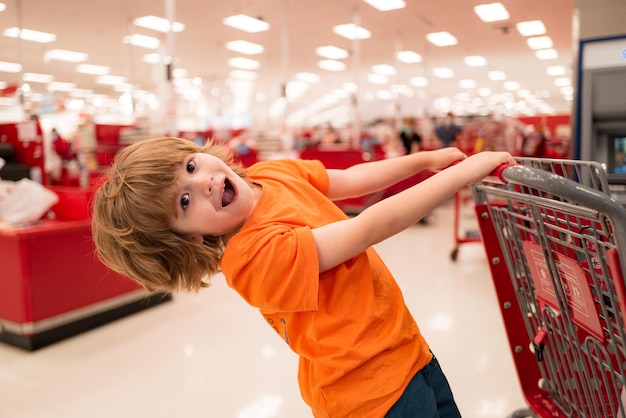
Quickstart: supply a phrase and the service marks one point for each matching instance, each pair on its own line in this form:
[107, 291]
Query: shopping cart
[556, 244]
[463, 233]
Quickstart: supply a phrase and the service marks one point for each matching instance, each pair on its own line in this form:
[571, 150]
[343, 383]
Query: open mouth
[229, 193]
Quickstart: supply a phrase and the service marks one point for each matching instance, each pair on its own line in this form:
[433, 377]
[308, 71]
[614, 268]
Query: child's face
[211, 198]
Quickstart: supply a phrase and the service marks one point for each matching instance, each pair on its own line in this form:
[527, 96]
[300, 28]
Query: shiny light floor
[211, 355]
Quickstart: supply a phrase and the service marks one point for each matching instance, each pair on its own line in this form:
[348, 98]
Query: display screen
[619, 155]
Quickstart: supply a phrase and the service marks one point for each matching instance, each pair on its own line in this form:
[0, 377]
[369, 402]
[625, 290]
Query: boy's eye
[191, 166]
[184, 201]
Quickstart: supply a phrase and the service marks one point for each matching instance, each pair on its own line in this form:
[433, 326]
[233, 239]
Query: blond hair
[132, 214]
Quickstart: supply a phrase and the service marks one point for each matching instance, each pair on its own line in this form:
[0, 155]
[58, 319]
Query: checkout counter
[52, 285]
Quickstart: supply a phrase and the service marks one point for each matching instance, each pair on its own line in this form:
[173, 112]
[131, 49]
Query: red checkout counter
[52, 286]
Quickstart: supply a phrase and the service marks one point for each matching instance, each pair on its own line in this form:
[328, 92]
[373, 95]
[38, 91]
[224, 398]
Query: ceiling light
[61, 86]
[475, 61]
[441, 39]
[352, 31]
[153, 58]
[10, 67]
[158, 24]
[243, 75]
[467, 84]
[378, 78]
[110, 79]
[180, 73]
[546, 54]
[308, 77]
[143, 41]
[331, 52]
[64, 55]
[531, 28]
[30, 35]
[511, 85]
[246, 23]
[244, 63]
[37, 78]
[492, 12]
[484, 92]
[556, 70]
[331, 65]
[567, 90]
[244, 47]
[418, 81]
[384, 69]
[386, 5]
[443, 72]
[563, 82]
[496, 75]
[409, 57]
[539, 42]
[93, 69]
[3, 7]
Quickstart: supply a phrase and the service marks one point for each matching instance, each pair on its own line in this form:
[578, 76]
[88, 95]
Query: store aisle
[210, 355]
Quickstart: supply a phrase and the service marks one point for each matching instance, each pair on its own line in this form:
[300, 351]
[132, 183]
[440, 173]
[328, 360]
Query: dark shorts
[428, 395]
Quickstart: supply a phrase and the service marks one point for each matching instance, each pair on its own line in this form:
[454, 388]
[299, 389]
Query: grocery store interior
[338, 81]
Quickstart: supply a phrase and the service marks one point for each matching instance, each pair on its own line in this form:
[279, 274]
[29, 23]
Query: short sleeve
[276, 271]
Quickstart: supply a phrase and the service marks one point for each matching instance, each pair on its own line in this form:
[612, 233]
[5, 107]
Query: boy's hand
[478, 166]
[444, 157]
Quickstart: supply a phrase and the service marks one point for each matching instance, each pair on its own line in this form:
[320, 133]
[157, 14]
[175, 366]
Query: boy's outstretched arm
[340, 241]
[366, 178]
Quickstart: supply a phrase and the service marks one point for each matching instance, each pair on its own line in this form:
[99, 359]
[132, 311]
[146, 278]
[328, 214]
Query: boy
[171, 214]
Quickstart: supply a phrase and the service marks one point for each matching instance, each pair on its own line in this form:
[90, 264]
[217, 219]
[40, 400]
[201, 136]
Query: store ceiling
[298, 27]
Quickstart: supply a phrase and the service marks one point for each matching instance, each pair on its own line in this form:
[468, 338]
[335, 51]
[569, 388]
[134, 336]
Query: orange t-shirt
[358, 344]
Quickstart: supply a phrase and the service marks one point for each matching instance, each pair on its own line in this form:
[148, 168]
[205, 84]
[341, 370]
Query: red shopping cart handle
[496, 175]
[498, 172]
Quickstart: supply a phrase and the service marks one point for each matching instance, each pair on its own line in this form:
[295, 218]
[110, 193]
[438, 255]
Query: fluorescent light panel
[64, 55]
[142, 41]
[30, 35]
[386, 5]
[37, 78]
[531, 28]
[61, 86]
[10, 67]
[93, 69]
[352, 31]
[331, 65]
[384, 69]
[243, 75]
[158, 24]
[246, 23]
[244, 63]
[539, 42]
[308, 77]
[441, 39]
[418, 81]
[496, 75]
[378, 78]
[546, 54]
[492, 12]
[244, 47]
[409, 57]
[443, 72]
[111, 79]
[331, 52]
[556, 70]
[475, 61]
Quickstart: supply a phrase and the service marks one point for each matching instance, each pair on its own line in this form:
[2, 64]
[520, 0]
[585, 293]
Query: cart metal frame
[556, 243]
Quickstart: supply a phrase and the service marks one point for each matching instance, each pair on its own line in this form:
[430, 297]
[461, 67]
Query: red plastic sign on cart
[575, 286]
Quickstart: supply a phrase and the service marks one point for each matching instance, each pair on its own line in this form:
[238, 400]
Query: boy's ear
[198, 239]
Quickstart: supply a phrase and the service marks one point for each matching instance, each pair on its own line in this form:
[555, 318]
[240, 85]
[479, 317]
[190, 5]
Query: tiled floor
[211, 355]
